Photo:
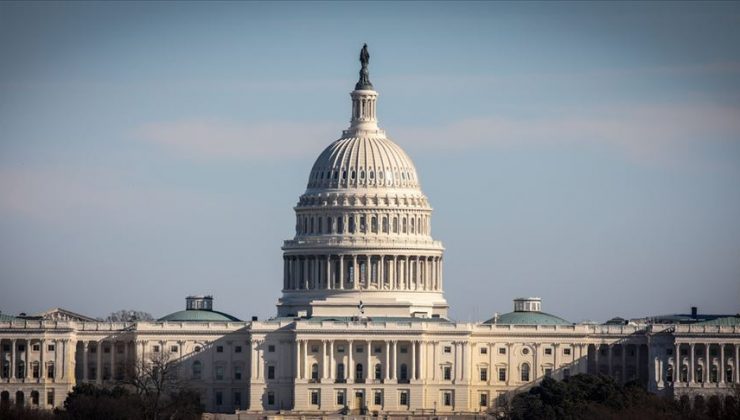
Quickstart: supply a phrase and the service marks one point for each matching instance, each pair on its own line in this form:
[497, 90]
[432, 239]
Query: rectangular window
[219, 398]
[377, 350]
[314, 397]
[271, 372]
[378, 397]
[340, 349]
[447, 370]
[340, 398]
[22, 347]
[404, 349]
[219, 349]
[36, 347]
[314, 349]
[237, 372]
[484, 350]
[50, 397]
[50, 347]
[548, 350]
[271, 348]
[237, 398]
[447, 398]
[270, 398]
[359, 349]
[35, 369]
[237, 349]
[173, 349]
[502, 350]
[448, 349]
[155, 349]
[484, 374]
[219, 372]
[50, 371]
[502, 374]
[6, 347]
[566, 351]
[483, 400]
[403, 398]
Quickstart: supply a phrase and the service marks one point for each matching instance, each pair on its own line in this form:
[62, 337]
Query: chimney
[254, 318]
[693, 312]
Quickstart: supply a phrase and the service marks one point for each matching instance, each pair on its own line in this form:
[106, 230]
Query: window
[448, 349]
[173, 349]
[483, 400]
[36, 347]
[403, 398]
[359, 374]
[566, 351]
[404, 349]
[50, 397]
[314, 397]
[359, 349]
[714, 374]
[340, 398]
[525, 351]
[238, 349]
[237, 373]
[270, 398]
[374, 224]
[363, 225]
[6, 369]
[197, 349]
[699, 374]
[237, 398]
[270, 372]
[525, 372]
[219, 398]
[22, 347]
[106, 350]
[314, 349]
[378, 372]
[6, 347]
[483, 374]
[548, 350]
[404, 372]
[447, 373]
[484, 350]
[155, 349]
[502, 350]
[377, 350]
[669, 352]
[50, 347]
[378, 397]
[219, 372]
[50, 371]
[271, 348]
[315, 372]
[385, 225]
[340, 349]
[502, 374]
[395, 225]
[219, 349]
[447, 398]
[35, 369]
[669, 374]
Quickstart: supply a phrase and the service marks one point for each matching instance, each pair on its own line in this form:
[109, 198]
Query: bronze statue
[364, 82]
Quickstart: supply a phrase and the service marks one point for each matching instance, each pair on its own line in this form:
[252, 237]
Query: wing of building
[362, 323]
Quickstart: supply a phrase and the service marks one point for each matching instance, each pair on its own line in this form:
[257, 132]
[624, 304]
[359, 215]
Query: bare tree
[129, 315]
[154, 379]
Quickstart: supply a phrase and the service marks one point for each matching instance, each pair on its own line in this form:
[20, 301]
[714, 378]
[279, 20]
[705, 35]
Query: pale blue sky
[587, 153]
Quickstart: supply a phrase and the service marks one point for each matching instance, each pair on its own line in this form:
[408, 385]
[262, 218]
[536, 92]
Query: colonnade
[378, 272]
[696, 363]
[33, 359]
[618, 364]
[352, 223]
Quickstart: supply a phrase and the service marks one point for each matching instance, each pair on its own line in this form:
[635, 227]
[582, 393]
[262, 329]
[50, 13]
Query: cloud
[647, 134]
[221, 139]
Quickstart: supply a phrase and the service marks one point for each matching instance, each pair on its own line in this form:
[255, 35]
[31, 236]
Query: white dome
[363, 162]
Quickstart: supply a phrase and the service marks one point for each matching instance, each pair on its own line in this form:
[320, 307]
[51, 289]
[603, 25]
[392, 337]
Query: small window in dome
[362, 174]
[352, 175]
[344, 174]
[340, 224]
[372, 175]
[380, 174]
[403, 175]
[395, 225]
[322, 175]
[336, 174]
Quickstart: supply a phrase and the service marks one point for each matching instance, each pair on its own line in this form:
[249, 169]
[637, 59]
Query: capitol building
[362, 321]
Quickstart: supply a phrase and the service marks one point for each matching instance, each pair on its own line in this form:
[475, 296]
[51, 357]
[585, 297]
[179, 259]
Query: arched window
[525, 372]
[378, 372]
[699, 374]
[669, 374]
[374, 224]
[20, 399]
[197, 369]
[351, 224]
[359, 374]
[329, 224]
[684, 374]
[411, 225]
[320, 228]
[50, 370]
[315, 371]
[404, 374]
[363, 224]
[340, 372]
[6, 369]
[403, 226]
[311, 230]
[4, 397]
[21, 371]
[340, 224]
[35, 397]
[714, 374]
[385, 224]
[728, 375]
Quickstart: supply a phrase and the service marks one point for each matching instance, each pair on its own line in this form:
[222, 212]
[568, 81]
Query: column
[737, 364]
[441, 275]
[509, 370]
[609, 354]
[423, 346]
[722, 363]
[324, 364]
[355, 274]
[85, 366]
[394, 362]
[637, 362]
[381, 272]
[463, 355]
[297, 358]
[304, 356]
[328, 272]
[99, 361]
[113, 359]
[27, 373]
[41, 362]
[413, 360]
[536, 360]
[677, 364]
[597, 354]
[125, 356]
[331, 360]
[304, 272]
[624, 360]
[691, 364]
[387, 365]
[350, 368]
[341, 272]
[12, 358]
[370, 375]
[285, 273]
[706, 363]
[434, 360]
[555, 353]
[491, 348]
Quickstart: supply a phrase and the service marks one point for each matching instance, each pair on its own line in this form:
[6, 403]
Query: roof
[6, 317]
[726, 321]
[528, 318]
[61, 314]
[198, 315]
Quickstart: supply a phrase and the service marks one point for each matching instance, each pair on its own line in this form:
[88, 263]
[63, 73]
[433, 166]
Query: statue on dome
[364, 82]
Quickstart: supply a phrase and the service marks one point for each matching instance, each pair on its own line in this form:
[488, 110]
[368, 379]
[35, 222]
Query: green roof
[726, 321]
[198, 315]
[6, 318]
[528, 318]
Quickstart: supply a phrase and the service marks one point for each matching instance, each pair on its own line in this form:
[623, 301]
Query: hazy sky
[587, 153]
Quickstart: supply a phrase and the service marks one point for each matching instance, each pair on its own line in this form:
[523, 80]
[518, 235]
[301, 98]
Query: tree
[128, 315]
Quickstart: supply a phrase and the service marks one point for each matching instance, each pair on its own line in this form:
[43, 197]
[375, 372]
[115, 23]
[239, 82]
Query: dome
[363, 162]
[198, 315]
[527, 318]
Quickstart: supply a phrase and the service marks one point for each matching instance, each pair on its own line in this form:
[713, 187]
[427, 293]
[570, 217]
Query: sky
[587, 153]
